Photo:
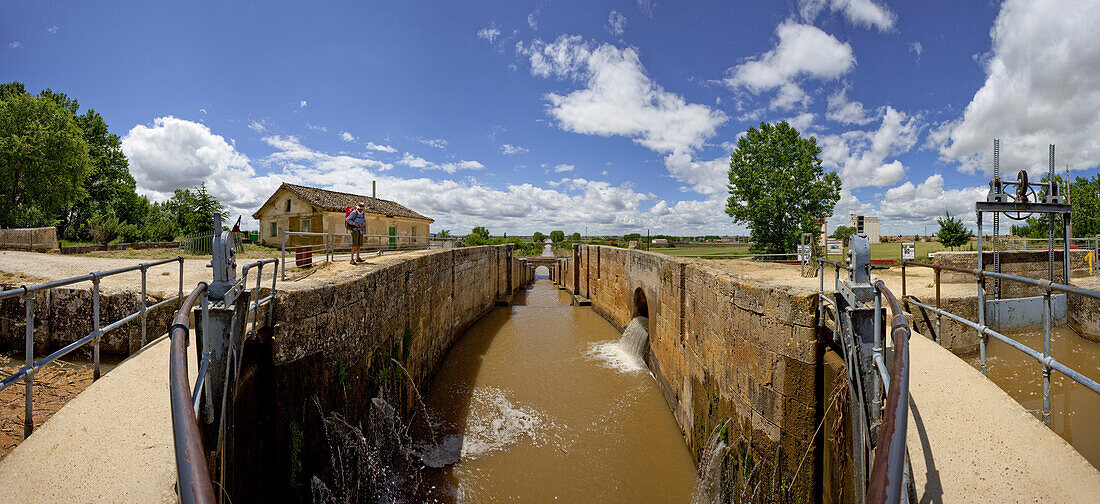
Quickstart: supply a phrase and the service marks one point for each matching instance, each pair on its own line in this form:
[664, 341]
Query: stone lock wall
[337, 345]
[64, 315]
[720, 348]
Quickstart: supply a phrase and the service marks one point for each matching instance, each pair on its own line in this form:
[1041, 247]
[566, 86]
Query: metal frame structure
[224, 307]
[880, 393]
[28, 293]
[1020, 197]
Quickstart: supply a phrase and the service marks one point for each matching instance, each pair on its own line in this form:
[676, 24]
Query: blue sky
[619, 116]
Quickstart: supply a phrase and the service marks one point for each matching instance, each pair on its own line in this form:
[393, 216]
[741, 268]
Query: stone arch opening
[542, 273]
[641, 306]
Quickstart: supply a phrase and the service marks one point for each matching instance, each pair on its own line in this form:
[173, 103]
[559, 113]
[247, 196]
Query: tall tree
[538, 237]
[952, 232]
[480, 231]
[557, 236]
[778, 188]
[43, 160]
[842, 233]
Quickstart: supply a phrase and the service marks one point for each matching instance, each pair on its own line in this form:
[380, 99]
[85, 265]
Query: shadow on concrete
[933, 488]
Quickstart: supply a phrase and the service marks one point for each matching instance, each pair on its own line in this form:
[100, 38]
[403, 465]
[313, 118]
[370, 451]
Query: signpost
[908, 251]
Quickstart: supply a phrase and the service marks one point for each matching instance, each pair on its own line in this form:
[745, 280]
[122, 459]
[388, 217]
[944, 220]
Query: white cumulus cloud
[616, 23]
[1042, 86]
[509, 149]
[803, 51]
[381, 148]
[490, 33]
[450, 167]
[860, 156]
[175, 153]
[845, 111]
[347, 137]
[864, 13]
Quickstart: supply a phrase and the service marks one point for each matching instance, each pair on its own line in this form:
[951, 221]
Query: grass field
[878, 250]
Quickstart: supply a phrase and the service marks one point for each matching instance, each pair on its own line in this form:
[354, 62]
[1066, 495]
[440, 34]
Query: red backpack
[347, 212]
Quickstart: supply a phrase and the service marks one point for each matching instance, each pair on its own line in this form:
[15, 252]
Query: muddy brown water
[546, 407]
[1074, 409]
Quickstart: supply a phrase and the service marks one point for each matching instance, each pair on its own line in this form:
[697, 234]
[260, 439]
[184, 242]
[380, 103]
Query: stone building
[309, 209]
[866, 225]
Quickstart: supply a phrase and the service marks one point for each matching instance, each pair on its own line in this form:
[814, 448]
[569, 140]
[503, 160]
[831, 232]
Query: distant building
[309, 209]
[660, 241]
[865, 225]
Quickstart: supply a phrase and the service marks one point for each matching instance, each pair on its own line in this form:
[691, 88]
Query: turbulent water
[545, 402]
[709, 486]
[627, 354]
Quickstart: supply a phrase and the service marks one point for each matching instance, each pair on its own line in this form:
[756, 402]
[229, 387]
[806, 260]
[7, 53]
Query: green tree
[538, 237]
[843, 232]
[43, 160]
[481, 231]
[575, 237]
[109, 185]
[952, 232]
[557, 236]
[1085, 199]
[444, 233]
[778, 188]
[103, 228]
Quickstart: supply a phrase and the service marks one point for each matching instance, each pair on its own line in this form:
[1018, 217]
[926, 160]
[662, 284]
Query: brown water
[544, 406]
[1074, 409]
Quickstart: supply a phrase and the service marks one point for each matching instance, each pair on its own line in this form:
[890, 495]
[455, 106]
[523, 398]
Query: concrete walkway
[970, 442]
[112, 443]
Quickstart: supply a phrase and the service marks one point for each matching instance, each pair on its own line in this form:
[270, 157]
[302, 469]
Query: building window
[305, 225]
[288, 205]
[274, 229]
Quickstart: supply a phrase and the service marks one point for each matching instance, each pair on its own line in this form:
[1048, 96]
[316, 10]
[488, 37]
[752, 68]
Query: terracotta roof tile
[331, 201]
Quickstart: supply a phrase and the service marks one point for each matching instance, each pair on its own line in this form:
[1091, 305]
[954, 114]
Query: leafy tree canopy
[952, 232]
[575, 237]
[557, 236]
[538, 237]
[778, 188]
[44, 160]
[842, 233]
[481, 231]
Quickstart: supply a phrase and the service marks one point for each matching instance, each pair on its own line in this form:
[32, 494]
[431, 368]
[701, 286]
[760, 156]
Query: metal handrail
[1045, 358]
[27, 292]
[192, 474]
[888, 471]
[332, 249]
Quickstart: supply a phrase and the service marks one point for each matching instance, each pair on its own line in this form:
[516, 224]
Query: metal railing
[28, 292]
[193, 475]
[1045, 358]
[766, 257]
[890, 472]
[329, 246]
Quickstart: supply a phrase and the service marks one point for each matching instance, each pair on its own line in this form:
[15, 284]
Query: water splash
[495, 422]
[709, 486]
[626, 355]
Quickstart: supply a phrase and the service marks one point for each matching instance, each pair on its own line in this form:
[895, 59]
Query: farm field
[878, 250]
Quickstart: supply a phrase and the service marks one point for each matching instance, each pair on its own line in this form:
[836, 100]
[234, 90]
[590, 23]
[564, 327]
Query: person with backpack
[355, 221]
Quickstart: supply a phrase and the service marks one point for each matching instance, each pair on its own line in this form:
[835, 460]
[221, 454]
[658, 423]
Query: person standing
[356, 222]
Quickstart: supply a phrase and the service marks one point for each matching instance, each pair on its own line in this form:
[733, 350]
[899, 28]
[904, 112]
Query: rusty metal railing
[27, 292]
[192, 474]
[890, 471]
[1045, 358]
